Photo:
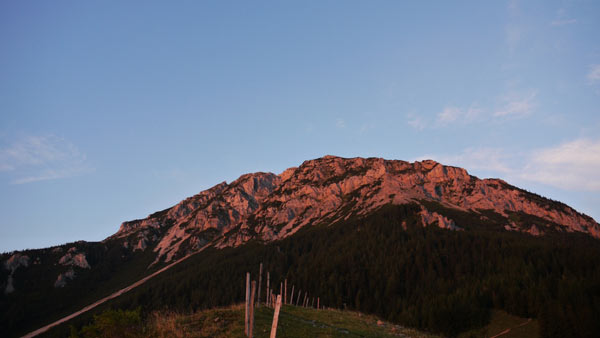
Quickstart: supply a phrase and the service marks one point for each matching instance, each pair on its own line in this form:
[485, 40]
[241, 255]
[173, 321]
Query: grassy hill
[294, 321]
[228, 322]
[504, 325]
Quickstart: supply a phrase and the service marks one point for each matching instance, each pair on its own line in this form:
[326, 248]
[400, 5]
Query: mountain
[534, 247]
[268, 207]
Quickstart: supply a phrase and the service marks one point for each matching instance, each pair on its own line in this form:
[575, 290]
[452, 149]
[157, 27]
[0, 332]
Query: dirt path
[510, 328]
[107, 298]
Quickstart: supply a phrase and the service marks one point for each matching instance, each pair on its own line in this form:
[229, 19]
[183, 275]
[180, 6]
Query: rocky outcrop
[63, 278]
[429, 218]
[12, 264]
[267, 207]
[73, 258]
[15, 261]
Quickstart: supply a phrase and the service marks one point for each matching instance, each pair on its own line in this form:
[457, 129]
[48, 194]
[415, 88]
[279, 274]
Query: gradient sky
[110, 111]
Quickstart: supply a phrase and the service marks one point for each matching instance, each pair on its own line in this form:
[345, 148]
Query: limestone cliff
[267, 207]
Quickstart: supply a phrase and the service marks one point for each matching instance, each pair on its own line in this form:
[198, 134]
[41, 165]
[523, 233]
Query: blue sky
[110, 111]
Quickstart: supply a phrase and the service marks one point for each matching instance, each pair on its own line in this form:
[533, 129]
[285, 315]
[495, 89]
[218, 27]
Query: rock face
[73, 258]
[62, 279]
[12, 264]
[267, 207]
[428, 218]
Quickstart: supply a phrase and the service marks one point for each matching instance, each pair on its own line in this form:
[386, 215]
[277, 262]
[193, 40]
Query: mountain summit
[266, 207]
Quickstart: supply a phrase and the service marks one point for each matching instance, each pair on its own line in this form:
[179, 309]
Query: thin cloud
[365, 128]
[449, 114]
[513, 34]
[573, 165]
[514, 105]
[340, 124]
[452, 114]
[513, 31]
[513, 7]
[416, 122]
[39, 158]
[517, 105]
[594, 73]
[563, 22]
[488, 159]
[562, 19]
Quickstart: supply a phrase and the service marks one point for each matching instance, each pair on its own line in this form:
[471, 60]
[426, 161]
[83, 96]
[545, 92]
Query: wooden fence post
[247, 303]
[268, 292]
[299, 295]
[292, 296]
[259, 282]
[276, 317]
[318, 303]
[305, 299]
[252, 299]
[285, 292]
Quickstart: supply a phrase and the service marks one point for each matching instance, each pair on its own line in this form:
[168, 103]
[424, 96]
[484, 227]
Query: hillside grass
[293, 322]
[501, 321]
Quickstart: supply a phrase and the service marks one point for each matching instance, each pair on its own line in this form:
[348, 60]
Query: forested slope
[388, 264]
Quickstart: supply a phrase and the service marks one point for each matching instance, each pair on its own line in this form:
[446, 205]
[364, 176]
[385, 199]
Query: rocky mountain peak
[267, 207]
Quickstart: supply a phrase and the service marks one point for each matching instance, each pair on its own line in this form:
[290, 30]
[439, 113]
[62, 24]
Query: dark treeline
[36, 302]
[389, 265]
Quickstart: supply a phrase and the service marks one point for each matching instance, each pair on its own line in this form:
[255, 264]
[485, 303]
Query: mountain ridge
[266, 206]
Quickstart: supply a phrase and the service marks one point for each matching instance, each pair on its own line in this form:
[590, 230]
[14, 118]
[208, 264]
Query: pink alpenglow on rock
[268, 207]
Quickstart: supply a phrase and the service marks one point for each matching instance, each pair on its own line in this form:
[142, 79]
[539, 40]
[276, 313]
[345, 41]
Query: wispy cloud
[365, 128]
[562, 19]
[416, 122]
[594, 73]
[340, 124]
[512, 106]
[513, 7]
[517, 105]
[38, 158]
[488, 159]
[513, 32]
[452, 114]
[563, 22]
[573, 165]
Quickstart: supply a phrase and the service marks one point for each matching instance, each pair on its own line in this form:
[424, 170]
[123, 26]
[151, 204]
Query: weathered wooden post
[252, 299]
[298, 300]
[285, 292]
[268, 290]
[318, 303]
[276, 317]
[247, 303]
[292, 296]
[305, 299]
[281, 290]
[259, 282]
